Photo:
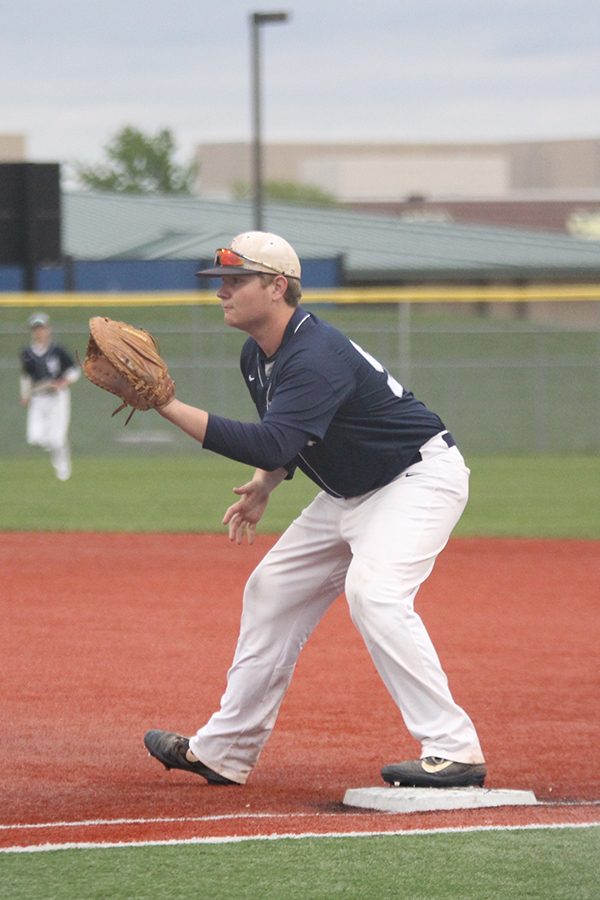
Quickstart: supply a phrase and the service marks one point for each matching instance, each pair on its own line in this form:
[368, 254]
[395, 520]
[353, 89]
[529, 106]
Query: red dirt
[106, 636]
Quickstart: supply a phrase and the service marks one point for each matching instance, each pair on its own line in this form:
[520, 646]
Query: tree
[139, 163]
[286, 192]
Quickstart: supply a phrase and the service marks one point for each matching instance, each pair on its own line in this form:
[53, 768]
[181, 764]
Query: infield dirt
[107, 635]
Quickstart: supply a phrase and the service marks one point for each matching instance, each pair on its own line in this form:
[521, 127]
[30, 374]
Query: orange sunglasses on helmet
[227, 257]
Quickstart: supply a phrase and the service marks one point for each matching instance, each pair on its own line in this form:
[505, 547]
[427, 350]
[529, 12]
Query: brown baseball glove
[124, 360]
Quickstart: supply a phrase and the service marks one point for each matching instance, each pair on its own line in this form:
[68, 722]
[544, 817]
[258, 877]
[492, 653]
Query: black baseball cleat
[434, 771]
[170, 749]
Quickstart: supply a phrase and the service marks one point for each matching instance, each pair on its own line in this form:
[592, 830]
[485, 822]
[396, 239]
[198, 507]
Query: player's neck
[270, 336]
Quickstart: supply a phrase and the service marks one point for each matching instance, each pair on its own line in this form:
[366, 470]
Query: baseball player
[47, 372]
[392, 484]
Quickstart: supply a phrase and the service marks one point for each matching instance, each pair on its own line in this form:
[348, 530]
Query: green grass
[524, 496]
[185, 494]
[548, 864]
[534, 496]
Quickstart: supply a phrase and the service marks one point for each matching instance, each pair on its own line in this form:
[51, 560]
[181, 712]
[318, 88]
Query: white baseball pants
[48, 418]
[379, 548]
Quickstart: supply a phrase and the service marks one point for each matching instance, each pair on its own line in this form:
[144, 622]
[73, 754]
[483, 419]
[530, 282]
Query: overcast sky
[73, 72]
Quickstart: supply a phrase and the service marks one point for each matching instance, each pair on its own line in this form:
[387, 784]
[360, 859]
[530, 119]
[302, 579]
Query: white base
[407, 799]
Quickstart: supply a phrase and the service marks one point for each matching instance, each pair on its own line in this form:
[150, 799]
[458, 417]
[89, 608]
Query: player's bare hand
[240, 527]
[243, 516]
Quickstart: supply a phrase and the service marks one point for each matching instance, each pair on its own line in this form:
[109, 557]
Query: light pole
[256, 20]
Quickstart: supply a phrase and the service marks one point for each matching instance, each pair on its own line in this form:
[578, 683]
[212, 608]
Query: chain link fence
[506, 378]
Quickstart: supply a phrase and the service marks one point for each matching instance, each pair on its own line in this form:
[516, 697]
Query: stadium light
[256, 20]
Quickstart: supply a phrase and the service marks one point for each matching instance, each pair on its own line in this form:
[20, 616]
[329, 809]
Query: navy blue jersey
[326, 407]
[47, 366]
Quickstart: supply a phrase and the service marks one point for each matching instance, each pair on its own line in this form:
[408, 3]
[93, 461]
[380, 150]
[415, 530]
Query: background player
[47, 372]
[393, 485]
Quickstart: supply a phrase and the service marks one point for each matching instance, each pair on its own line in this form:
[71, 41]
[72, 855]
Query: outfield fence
[509, 370]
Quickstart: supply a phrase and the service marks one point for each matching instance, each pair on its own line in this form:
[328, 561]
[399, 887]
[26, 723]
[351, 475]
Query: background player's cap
[38, 319]
[256, 251]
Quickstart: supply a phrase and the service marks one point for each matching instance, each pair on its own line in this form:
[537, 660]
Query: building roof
[376, 249]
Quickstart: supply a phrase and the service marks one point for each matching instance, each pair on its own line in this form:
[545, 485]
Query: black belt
[446, 437]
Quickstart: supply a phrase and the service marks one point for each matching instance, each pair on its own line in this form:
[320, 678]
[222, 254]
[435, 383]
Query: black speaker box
[30, 214]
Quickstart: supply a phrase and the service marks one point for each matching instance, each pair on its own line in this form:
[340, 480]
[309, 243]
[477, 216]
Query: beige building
[378, 172]
[12, 148]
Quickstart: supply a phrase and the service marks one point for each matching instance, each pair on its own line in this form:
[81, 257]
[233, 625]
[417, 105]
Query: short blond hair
[293, 292]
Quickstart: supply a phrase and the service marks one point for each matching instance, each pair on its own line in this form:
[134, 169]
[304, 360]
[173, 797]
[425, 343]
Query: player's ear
[280, 285]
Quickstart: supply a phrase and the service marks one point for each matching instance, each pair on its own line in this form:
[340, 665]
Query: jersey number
[393, 385]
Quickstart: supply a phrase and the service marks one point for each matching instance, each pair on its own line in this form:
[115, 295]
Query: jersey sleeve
[25, 384]
[262, 445]
[302, 405]
[26, 364]
[66, 360]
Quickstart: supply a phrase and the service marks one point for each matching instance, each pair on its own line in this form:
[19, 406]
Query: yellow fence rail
[402, 294]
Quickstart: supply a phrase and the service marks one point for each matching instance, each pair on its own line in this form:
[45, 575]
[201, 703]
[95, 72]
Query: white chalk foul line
[233, 839]
[92, 823]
